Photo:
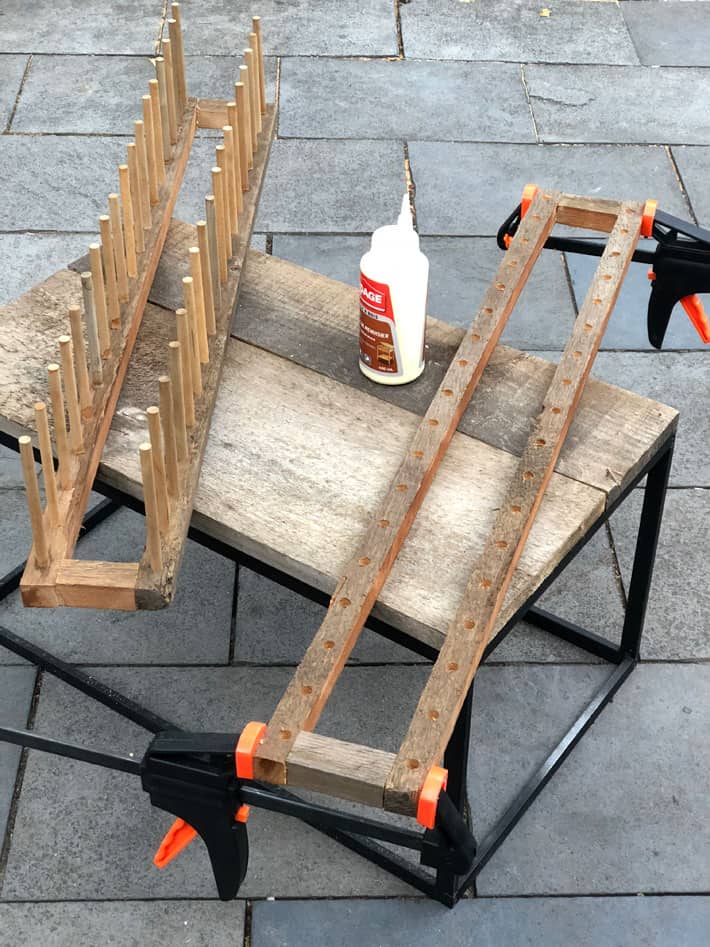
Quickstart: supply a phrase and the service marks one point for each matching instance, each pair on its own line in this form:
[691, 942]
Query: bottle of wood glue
[393, 286]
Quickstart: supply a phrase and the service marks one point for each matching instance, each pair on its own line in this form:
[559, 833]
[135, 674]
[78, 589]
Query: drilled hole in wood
[597, 301]
[383, 524]
[487, 311]
[475, 337]
[515, 508]
[606, 275]
[413, 764]
[555, 410]
[486, 583]
[463, 362]
[328, 645]
[615, 253]
[501, 544]
[524, 240]
[540, 442]
[401, 487]
[447, 392]
[452, 666]
[535, 216]
[576, 354]
[285, 734]
[306, 690]
[432, 422]
[566, 381]
[344, 602]
[364, 561]
[512, 262]
[469, 624]
[500, 286]
[433, 714]
[418, 454]
[528, 475]
[623, 230]
[588, 326]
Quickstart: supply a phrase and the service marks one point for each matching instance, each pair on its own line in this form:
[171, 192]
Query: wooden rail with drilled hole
[392, 781]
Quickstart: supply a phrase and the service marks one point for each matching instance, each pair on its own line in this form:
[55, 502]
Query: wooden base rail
[290, 753]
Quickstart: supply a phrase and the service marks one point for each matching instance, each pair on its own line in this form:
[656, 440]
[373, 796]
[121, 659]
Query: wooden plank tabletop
[302, 446]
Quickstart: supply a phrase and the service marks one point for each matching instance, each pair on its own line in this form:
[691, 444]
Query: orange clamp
[649, 215]
[242, 814]
[429, 797]
[252, 735]
[694, 307]
[178, 836]
[529, 192]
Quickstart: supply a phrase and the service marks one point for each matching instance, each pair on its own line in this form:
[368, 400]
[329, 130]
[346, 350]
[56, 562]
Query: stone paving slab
[466, 189]
[360, 186]
[123, 923]
[679, 380]
[54, 182]
[460, 270]
[513, 922]
[617, 104]
[679, 603]
[195, 629]
[575, 32]
[12, 69]
[16, 687]
[102, 832]
[64, 27]
[629, 810]
[301, 28]
[666, 34]
[405, 99]
[692, 164]
[627, 326]
[28, 258]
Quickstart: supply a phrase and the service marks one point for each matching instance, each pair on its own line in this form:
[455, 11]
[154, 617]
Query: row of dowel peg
[167, 453]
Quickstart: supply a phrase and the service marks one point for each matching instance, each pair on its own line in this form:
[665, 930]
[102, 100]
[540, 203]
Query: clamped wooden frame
[115, 287]
[409, 782]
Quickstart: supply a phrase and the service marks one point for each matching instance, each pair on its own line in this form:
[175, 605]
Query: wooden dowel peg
[245, 82]
[251, 61]
[163, 103]
[170, 90]
[129, 228]
[243, 133]
[157, 129]
[175, 33]
[248, 79]
[236, 157]
[177, 386]
[221, 161]
[99, 296]
[222, 252]
[48, 475]
[213, 248]
[144, 174]
[207, 281]
[188, 290]
[109, 260]
[229, 180]
[137, 197]
[92, 332]
[153, 179]
[188, 385]
[60, 425]
[161, 487]
[152, 526]
[168, 426]
[76, 438]
[199, 294]
[82, 371]
[34, 504]
[256, 26]
[119, 249]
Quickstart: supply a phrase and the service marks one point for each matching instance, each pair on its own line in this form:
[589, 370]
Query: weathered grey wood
[365, 575]
[345, 770]
[450, 679]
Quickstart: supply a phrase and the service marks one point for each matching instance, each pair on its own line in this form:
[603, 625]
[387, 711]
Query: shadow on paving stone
[16, 688]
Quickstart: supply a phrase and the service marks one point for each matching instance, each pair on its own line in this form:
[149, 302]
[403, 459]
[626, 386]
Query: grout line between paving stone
[529, 101]
[411, 185]
[233, 617]
[681, 183]
[248, 907]
[19, 93]
[398, 26]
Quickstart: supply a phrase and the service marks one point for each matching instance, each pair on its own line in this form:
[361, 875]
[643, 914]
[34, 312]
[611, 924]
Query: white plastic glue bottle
[393, 286]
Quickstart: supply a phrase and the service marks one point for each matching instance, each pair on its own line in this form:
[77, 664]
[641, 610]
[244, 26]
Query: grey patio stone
[576, 32]
[459, 273]
[360, 186]
[405, 99]
[123, 923]
[16, 532]
[74, 810]
[679, 380]
[616, 104]
[678, 608]
[665, 34]
[194, 629]
[16, 687]
[487, 922]
[628, 812]
[12, 69]
[693, 164]
[66, 27]
[302, 28]
[10, 470]
[627, 326]
[28, 258]
[213, 77]
[466, 189]
[275, 626]
[54, 182]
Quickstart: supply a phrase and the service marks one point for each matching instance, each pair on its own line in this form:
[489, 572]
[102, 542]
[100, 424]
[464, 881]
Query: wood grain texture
[346, 770]
[82, 583]
[365, 575]
[469, 633]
